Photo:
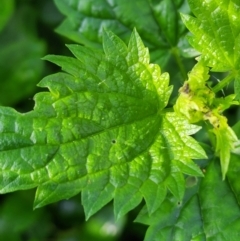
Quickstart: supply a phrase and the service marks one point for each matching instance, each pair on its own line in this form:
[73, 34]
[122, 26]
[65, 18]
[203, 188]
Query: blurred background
[26, 35]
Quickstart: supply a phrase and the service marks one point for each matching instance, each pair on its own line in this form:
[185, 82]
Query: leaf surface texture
[102, 129]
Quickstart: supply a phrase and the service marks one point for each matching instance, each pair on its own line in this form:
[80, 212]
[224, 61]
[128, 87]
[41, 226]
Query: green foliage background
[180, 204]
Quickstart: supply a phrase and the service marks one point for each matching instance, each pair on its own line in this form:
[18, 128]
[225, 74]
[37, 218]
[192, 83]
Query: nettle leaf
[216, 32]
[237, 87]
[234, 166]
[168, 18]
[158, 22]
[198, 102]
[102, 130]
[209, 211]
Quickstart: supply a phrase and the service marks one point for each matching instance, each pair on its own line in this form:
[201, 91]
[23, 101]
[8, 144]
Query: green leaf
[198, 102]
[158, 23]
[20, 53]
[225, 143]
[220, 208]
[102, 129]
[154, 195]
[168, 18]
[237, 87]
[234, 165]
[209, 211]
[175, 220]
[216, 32]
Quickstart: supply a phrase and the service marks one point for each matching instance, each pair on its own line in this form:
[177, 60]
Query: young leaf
[198, 102]
[216, 32]
[102, 130]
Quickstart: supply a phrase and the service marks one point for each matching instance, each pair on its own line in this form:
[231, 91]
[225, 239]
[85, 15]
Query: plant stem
[176, 55]
[223, 83]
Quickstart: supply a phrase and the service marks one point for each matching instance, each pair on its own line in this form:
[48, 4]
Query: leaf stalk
[227, 80]
[176, 55]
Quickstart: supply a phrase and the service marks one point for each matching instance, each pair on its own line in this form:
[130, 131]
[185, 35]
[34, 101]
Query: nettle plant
[106, 127]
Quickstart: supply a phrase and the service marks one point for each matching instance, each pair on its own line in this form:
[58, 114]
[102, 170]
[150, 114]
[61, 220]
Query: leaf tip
[47, 57]
[37, 205]
[135, 35]
[184, 17]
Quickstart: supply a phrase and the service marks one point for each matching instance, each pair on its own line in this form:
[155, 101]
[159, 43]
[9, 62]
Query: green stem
[176, 55]
[223, 83]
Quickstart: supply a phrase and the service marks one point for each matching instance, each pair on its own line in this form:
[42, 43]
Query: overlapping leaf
[101, 130]
[216, 32]
[209, 211]
[198, 102]
[234, 167]
[158, 22]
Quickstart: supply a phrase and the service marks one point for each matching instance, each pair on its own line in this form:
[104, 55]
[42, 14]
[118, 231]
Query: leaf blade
[102, 129]
[215, 32]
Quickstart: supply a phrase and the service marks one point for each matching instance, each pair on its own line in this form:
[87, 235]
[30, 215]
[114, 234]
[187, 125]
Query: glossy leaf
[102, 130]
[209, 211]
[216, 32]
[158, 23]
[220, 209]
[167, 17]
[234, 166]
[197, 102]
[237, 87]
